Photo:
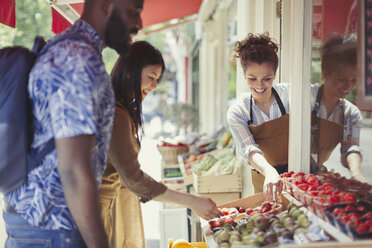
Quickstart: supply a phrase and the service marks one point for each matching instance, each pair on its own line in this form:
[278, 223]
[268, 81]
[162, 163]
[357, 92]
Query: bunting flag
[7, 13]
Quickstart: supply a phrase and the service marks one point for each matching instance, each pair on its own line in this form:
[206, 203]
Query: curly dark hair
[126, 78]
[337, 51]
[258, 49]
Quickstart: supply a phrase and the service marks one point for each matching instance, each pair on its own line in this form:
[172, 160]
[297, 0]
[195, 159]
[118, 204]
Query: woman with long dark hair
[133, 78]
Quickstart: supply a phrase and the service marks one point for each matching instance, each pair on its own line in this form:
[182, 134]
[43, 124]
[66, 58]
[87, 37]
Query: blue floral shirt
[72, 96]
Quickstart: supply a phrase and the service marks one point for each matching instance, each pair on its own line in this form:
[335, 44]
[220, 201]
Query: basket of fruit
[169, 151]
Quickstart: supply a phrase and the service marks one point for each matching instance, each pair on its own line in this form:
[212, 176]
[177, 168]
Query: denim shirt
[72, 96]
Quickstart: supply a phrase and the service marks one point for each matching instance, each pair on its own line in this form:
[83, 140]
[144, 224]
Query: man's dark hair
[126, 78]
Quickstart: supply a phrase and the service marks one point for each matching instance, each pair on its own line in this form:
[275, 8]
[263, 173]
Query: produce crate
[187, 178]
[187, 174]
[219, 183]
[256, 200]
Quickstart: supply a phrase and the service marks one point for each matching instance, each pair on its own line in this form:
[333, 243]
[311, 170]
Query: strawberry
[248, 211]
[266, 207]
[363, 228]
[337, 211]
[303, 186]
[344, 219]
[313, 180]
[349, 208]
[368, 223]
[349, 198]
[367, 215]
[312, 188]
[298, 174]
[241, 210]
[313, 193]
[232, 211]
[361, 208]
[225, 211]
[332, 199]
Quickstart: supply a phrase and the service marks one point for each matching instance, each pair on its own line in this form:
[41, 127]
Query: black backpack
[16, 130]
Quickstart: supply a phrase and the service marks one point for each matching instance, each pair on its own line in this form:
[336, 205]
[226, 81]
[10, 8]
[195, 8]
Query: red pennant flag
[7, 13]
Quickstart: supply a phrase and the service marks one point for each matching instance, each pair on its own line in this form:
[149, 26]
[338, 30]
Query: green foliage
[183, 115]
[109, 57]
[232, 82]
[33, 17]
[157, 40]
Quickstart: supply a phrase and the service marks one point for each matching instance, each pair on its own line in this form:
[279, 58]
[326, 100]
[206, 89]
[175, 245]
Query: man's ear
[107, 6]
[325, 75]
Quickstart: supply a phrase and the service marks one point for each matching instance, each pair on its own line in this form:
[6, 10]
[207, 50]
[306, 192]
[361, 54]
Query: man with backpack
[73, 104]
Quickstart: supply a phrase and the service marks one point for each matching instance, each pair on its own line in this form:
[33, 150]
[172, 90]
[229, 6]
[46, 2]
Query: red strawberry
[349, 208]
[367, 215]
[232, 211]
[368, 223]
[362, 208]
[313, 181]
[336, 211]
[225, 211]
[362, 228]
[332, 199]
[248, 211]
[303, 186]
[344, 219]
[349, 198]
[313, 193]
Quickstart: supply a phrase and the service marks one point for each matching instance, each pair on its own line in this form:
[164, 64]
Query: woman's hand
[273, 184]
[204, 207]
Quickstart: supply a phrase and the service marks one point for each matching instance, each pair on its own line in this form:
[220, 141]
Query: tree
[32, 18]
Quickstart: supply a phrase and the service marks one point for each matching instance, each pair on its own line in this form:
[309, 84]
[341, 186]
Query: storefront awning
[66, 12]
[7, 12]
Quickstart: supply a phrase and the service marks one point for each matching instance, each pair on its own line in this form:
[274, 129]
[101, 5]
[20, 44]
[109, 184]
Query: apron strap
[315, 130]
[278, 100]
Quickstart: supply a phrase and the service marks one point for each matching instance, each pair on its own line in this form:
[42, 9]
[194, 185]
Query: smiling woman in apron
[124, 184]
[259, 120]
[335, 119]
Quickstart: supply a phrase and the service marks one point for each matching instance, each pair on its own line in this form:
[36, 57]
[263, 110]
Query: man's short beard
[117, 34]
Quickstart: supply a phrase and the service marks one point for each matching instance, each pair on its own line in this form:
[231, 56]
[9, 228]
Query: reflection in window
[336, 120]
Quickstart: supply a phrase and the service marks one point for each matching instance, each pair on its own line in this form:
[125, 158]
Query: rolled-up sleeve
[123, 155]
[237, 120]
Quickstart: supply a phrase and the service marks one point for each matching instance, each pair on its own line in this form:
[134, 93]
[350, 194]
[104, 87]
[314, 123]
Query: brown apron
[325, 134]
[272, 139]
[129, 230]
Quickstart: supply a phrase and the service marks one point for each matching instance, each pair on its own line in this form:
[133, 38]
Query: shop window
[341, 127]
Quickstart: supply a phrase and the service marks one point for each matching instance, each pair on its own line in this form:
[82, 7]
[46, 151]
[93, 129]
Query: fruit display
[355, 219]
[340, 201]
[267, 224]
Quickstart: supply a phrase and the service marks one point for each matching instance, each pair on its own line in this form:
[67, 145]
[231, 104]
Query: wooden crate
[220, 198]
[187, 179]
[219, 183]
